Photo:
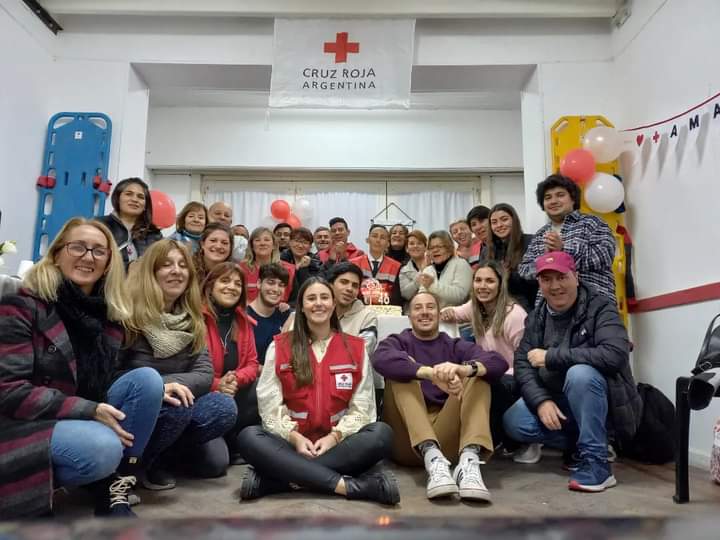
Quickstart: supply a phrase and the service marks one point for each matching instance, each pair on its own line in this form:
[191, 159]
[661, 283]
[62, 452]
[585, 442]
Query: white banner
[342, 63]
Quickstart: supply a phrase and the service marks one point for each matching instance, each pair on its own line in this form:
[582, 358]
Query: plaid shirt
[591, 243]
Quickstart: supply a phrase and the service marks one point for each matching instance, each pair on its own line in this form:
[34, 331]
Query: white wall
[666, 63]
[250, 138]
[25, 62]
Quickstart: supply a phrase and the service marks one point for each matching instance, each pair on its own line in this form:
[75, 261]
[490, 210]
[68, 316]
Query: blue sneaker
[592, 476]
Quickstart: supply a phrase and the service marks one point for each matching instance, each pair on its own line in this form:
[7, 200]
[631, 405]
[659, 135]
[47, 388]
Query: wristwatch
[474, 370]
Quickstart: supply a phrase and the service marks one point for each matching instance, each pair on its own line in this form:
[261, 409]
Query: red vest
[319, 407]
[386, 275]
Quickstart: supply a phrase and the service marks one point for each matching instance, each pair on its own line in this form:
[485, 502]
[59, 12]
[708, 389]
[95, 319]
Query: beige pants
[453, 426]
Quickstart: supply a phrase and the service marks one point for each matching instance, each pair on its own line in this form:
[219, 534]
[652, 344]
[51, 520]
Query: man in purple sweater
[437, 396]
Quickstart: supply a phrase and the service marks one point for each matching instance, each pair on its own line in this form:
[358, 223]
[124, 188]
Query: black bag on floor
[654, 441]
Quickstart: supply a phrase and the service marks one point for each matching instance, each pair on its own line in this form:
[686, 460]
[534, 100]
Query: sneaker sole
[573, 485]
[475, 494]
[527, 461]
[157, 487]
[445, 490]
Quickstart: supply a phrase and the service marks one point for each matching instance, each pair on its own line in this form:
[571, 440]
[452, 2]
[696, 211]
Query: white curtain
[432, 210]
[252, 208]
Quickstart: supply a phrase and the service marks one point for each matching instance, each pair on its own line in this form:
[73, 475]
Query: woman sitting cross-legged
[317, 404]
[63, 422]
[231, 344]
[166, 331]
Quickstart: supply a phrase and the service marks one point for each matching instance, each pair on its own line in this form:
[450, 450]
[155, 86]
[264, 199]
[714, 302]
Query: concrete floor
[534, 491]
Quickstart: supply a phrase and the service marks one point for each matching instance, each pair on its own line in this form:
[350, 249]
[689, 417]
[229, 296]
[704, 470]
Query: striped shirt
[591, 243]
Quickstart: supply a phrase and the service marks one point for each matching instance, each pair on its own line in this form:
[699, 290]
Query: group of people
[126, 358]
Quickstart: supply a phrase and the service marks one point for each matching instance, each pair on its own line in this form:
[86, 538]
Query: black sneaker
[111, 496]
[158, 480]
[380, 487]
[253, 486]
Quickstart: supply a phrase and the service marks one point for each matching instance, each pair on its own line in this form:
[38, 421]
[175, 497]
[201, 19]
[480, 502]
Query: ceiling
[433, 86]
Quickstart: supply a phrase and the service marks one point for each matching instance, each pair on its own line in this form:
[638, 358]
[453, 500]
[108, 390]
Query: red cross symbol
[656, 137]
[341, 47]
[343, 377]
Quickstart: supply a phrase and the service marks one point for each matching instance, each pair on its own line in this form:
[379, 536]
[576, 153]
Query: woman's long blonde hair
[148, 304]
[44, 278]
[482, 321]
[250, 252]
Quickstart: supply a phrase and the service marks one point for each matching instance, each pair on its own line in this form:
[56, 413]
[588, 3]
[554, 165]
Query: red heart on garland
[639, 139]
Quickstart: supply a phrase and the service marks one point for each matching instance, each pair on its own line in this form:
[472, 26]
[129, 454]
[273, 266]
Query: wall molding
[693, 295]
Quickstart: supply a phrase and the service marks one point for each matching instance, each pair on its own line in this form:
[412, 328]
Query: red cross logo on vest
[341, 47]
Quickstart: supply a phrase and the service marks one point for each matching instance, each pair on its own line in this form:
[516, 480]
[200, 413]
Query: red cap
[555, 260]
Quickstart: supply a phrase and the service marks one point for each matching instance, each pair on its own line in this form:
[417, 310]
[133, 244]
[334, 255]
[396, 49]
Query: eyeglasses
[76, 249]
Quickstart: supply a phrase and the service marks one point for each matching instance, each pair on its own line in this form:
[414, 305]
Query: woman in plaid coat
[63, 421]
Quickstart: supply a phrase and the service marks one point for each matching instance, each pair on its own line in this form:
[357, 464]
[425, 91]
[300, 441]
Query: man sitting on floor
[572, 365]
[437, 400]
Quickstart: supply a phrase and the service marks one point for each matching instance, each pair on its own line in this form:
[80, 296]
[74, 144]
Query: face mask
[240, 243]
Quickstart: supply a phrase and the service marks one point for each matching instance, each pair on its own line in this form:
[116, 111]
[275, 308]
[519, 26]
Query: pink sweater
[504, 344]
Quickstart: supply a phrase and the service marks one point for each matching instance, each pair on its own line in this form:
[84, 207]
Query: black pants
[247, 406]
[504, 393]
[276, 459]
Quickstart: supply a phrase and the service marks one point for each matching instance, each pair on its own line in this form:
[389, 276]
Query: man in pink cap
[572, 369]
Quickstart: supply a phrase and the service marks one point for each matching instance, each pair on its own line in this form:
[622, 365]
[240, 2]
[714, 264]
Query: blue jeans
[585, 403]
[186, 428]
[83, 451]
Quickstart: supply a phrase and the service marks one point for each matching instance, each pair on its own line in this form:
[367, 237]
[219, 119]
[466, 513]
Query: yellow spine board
[566, 134]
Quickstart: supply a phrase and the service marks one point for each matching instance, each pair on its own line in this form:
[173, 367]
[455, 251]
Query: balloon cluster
[282, 212]
[603, 192]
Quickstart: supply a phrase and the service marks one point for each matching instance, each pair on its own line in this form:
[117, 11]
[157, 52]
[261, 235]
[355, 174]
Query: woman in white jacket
[448, 276]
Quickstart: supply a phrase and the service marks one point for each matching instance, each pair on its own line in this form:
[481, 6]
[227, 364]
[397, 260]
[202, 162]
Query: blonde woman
[263, 249]
[166, 331]
[448, 276]
[63, 421]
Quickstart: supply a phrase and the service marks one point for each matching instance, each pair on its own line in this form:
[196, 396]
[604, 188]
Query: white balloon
[604, 193]
[302, 208]
[604, 143]
[268, 222]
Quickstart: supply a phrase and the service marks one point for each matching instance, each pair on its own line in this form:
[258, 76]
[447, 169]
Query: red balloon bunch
[282, 213]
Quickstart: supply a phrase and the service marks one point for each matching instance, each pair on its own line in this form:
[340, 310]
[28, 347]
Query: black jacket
[596, 337]
[523, 290]
[315, 268]
[122, 237]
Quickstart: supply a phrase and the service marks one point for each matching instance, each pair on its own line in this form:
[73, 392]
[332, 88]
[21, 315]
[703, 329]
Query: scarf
[84, 317]
[169, 335]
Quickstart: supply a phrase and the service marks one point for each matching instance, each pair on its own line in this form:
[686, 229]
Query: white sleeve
[271, 404]
[361, 409]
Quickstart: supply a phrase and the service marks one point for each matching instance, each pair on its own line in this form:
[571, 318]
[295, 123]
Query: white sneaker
[440, 482]
[470, 482]
[528, 454]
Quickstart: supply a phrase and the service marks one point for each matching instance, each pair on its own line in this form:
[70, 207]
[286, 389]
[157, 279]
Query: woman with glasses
[65, 419]
[298, 254]
[131, 220]
[166, 331]
[448, 276]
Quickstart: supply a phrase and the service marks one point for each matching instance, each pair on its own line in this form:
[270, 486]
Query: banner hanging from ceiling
[342, 63]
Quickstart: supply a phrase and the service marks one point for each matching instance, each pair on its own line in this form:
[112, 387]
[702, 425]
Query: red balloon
[280, 209]
[163, 209]
[293, 221]
[578, 165]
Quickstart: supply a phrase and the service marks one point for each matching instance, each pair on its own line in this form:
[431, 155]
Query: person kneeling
[317, 405]
[447, 409]
[573, 371]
